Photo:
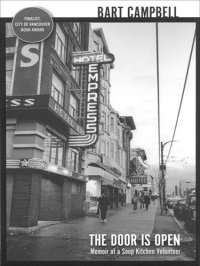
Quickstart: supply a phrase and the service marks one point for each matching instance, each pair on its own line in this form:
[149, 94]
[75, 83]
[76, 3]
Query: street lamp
[163, 167]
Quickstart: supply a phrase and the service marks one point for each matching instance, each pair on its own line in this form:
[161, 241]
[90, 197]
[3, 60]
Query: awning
[105, 167]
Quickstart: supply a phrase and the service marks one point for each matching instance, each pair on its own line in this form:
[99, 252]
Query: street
[70, 240]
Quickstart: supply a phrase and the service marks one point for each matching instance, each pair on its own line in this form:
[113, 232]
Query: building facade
[107, 162]
[45, 179]
[140, 178]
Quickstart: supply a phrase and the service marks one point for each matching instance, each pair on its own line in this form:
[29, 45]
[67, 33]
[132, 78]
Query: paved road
[70, 240]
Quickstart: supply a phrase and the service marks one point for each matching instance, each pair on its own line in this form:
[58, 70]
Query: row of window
[57, 90]
[55, 150]
[110, 150]
[108, 124]
[58, 93]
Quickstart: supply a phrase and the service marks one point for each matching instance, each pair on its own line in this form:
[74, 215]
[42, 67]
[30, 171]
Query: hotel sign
[139, 179]
[93, 61]
[85, 58]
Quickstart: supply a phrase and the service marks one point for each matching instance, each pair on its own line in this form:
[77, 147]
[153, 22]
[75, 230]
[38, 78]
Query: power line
[188, 67]
[158, 89]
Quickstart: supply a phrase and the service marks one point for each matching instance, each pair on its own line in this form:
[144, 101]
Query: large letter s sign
[33, 57]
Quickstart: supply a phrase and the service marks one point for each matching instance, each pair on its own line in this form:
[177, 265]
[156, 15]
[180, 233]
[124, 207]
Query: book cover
[99, 132]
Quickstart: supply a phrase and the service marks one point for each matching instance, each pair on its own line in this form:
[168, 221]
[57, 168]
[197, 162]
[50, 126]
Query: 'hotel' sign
[84, 58]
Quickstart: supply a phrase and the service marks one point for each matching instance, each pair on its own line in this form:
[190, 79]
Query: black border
[3, 161]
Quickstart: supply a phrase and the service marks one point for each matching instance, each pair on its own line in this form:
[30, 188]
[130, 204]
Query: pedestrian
[141, 201]
[103, 207]
[153, 199]
[134, 202]
[165, 207]
[146, 201]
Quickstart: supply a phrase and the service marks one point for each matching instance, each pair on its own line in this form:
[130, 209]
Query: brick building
[45, 180]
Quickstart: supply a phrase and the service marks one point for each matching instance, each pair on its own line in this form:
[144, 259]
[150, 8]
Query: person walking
[141, 201]
[103, 207]
[134, 202]
[146, 201]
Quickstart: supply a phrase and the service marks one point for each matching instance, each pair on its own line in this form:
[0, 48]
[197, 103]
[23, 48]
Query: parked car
[178, 208]
[189, 213]
[171, 202]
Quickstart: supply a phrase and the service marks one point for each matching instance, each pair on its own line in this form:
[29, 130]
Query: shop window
[77, 30]
[57, 90]
[9, 141]
[73, 160]
[76, 188]
[73, 107]
[60, 43]
[53, 149]
[9, 73]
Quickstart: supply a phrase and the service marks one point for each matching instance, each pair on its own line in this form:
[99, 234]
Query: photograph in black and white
[100, 143]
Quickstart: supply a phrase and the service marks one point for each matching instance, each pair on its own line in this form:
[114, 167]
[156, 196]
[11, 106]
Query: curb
[30, 230]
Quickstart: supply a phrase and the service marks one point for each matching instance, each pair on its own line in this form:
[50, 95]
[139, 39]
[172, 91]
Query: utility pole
[162, 168]
[162, 178]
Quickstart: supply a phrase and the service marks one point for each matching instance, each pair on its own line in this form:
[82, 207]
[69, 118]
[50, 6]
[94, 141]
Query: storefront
[103, 179]
[40, 191]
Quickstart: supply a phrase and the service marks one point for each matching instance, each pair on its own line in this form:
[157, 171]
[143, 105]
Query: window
[9, 30]
[112, 121]
[76, 75]
[57, 90]
[107, 151]
[112, 150]
[103, 147]
[73, 160]
[108, 123]
[73, 107]
[118, 132]
[92, 149]
[77, 30]
[97, 47]
[9, 141]
[60, 43]
[76, 188]
[105, 96]
[117, 154]
[53, 149]
[104, 120]
[101, 98]
[9, 72]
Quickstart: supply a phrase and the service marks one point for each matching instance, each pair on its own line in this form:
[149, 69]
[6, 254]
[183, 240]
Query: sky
[134, 90]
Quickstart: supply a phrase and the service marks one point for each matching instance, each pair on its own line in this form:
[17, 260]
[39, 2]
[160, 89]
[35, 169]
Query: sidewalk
[123, 220]
[166, 224]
